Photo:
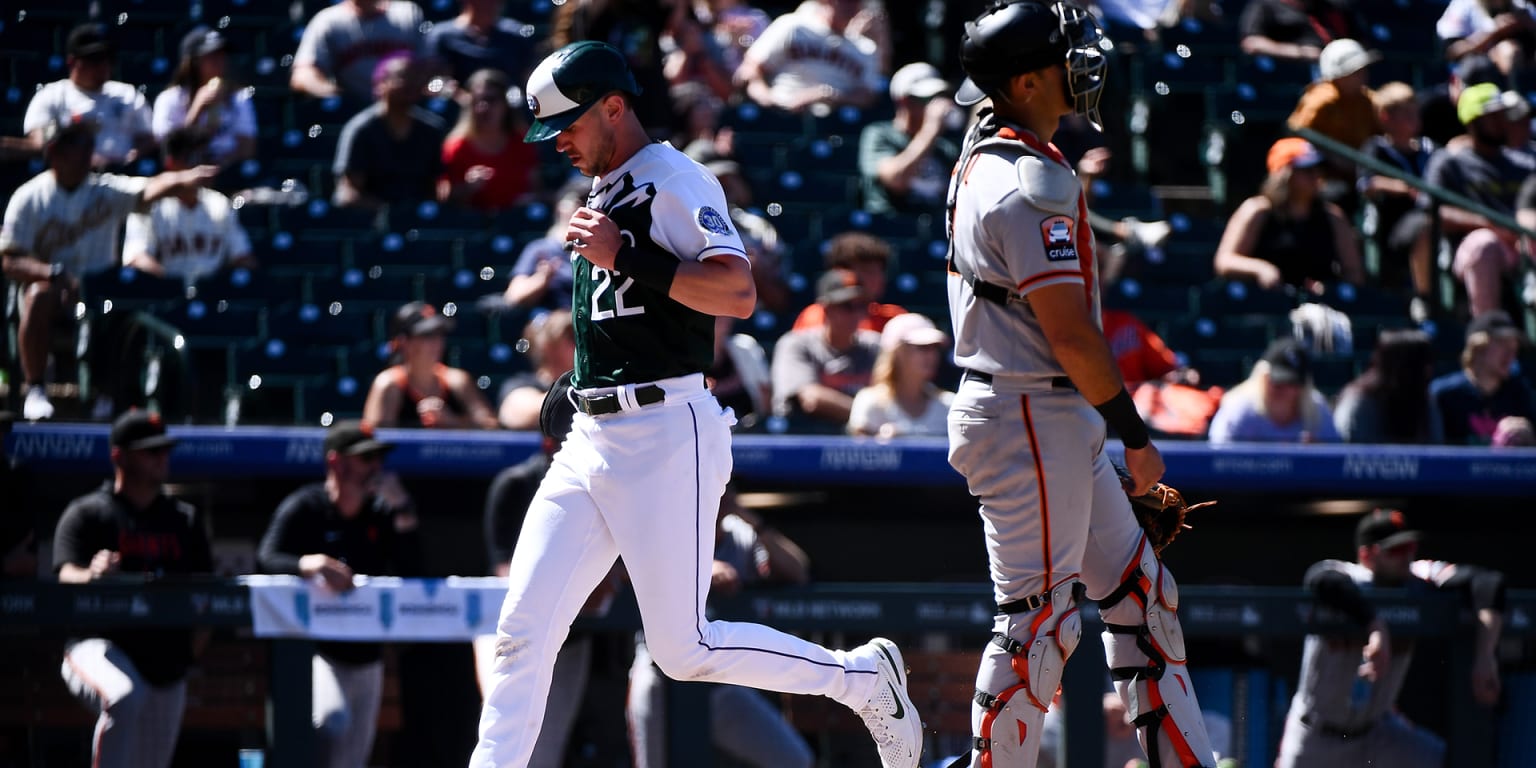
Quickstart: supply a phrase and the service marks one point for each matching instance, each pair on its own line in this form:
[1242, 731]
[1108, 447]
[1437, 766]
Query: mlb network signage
[423, 610]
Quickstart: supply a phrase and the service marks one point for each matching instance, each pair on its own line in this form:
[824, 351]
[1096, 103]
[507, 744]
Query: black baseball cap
[1494, 322]
[69, 132]
[1386, 527]
[837, 286]
[1289, 362]
[569, 81]
[139, 431]
[201, 41]
[354, 438]
[419, 318]
[89, 40]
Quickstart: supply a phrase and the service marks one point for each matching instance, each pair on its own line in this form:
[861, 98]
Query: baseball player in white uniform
[642, 470]
[1027, 426]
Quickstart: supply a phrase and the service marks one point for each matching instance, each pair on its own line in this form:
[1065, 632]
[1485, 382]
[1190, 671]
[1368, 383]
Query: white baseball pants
[645, 485]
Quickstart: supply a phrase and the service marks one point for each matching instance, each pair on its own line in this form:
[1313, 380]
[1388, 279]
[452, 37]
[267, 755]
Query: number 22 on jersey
[604, 280]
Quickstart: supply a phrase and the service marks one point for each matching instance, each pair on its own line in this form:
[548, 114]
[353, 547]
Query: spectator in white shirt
[901, 398]
[202, 96]
[117, 110]
[191, 234]
[62, 224]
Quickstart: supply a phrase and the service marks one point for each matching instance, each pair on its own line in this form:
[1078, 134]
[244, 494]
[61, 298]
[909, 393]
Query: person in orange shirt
[1167, 394]
[1339, 106]
[1138, 350]
[868, 257]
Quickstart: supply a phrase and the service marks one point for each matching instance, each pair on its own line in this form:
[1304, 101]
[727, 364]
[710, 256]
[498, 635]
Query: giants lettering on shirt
[55, 235]
[149, 549]
[836, 56]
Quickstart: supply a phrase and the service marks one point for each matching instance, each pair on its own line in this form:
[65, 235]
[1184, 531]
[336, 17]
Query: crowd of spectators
[398, 81]
[850, 362]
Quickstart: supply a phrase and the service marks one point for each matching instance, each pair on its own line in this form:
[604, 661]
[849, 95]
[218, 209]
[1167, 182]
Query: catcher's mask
[1012, 37]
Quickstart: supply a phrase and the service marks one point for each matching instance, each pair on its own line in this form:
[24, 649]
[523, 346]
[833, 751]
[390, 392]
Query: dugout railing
[962, 612]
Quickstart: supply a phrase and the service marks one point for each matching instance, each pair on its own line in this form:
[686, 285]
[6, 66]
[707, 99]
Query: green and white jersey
[627, 333]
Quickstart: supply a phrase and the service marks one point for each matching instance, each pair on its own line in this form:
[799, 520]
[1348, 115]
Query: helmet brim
[546, 128]
[970, 93]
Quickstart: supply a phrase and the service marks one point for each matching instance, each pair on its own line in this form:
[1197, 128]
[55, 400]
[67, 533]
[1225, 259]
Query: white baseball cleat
[889, 714]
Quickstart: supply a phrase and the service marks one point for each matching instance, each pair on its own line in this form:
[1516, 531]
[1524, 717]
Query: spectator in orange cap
[1288, 234]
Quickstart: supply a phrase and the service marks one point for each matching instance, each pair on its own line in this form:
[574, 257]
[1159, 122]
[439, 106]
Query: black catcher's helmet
[1012, 37]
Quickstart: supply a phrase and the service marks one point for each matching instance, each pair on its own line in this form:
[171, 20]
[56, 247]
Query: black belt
[1339, 733]
[608, 402]
[1057, 382]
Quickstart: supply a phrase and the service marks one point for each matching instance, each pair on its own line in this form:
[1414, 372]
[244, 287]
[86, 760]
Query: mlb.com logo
[1056, 237]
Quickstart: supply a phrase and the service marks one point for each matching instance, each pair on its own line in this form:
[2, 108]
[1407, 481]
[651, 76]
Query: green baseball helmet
[569, 81]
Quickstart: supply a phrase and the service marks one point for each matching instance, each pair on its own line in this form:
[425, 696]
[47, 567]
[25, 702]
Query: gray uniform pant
[742, 723]
[138, 722]
[1053, 510]
[1393, 741]
[346, 711]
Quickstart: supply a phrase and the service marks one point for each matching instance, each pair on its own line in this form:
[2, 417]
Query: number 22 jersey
[670, 207]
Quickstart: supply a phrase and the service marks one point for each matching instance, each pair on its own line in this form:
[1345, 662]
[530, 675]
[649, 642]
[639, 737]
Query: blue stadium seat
[213, 324]
[1364, 300]
[1182, 69]
[129, 288]
[1151, 301]
[496, 360]
[249, 287]
[327, 401]
[331, 323]
[1232, 297]
[837, 153]
[431, 221]
[1118, 199]
[1203, 37]
[279, 360]
[461, 286]
[748, 117]
[401, 250]
[370, 289]
[282, 253]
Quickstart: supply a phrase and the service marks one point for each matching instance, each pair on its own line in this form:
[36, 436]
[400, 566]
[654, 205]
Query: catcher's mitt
[1161, 512]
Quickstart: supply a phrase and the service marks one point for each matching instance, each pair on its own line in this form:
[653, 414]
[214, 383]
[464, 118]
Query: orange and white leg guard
[1144, 645]
[1020, 674]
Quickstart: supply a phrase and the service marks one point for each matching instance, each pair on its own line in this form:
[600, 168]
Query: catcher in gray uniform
[1027, 427]
[1343, 715]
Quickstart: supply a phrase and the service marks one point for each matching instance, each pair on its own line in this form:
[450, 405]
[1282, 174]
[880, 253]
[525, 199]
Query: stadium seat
[402, 250]
[462, 287]
[431, 221]
[748, 117]
[282, 253]
[1361, 300]
[836, 153]
[331, 323]
[215, 324]
[365, 289]
[496, 360]
[324, 402]
[1118, 199]
[1151, 301]
[1233, 297]
[1181, 69]
[128, 288]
